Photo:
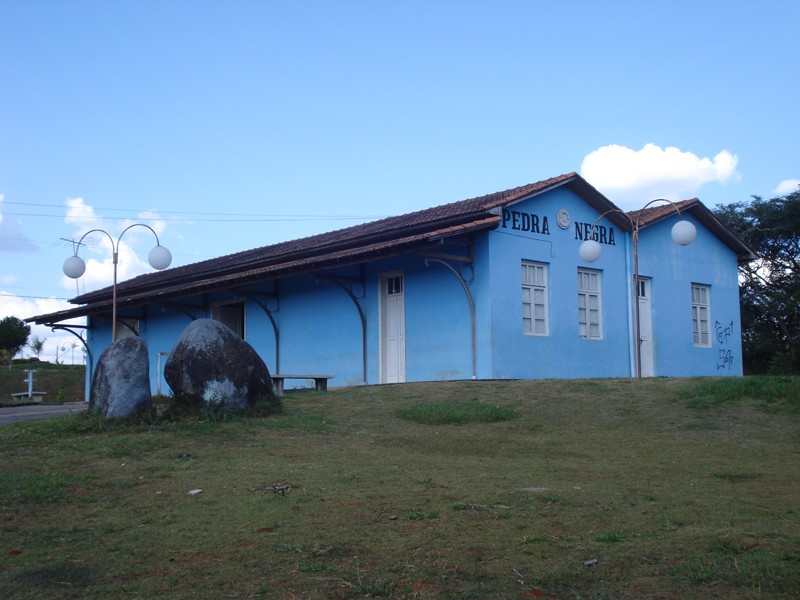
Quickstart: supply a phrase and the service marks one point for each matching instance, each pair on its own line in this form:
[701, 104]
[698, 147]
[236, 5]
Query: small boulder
[121, 381]
[210, 364]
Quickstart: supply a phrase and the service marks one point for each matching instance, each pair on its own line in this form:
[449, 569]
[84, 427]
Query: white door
[393, 329]
[646, 327]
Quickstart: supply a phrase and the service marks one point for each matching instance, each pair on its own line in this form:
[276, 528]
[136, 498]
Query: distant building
[486, 288]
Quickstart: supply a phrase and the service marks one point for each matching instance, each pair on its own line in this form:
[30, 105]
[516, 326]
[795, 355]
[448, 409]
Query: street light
[683, 234]
[64, 349]
[159, 258]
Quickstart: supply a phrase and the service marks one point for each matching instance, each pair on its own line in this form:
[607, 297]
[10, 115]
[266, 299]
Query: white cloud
[97, 248]
[100, 271]
[81, 214]
[787, 186]
[631, 178]
[154, 220]
[22, 308]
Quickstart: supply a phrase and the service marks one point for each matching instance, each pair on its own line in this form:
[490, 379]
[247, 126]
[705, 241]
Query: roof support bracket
[71, 329]
[355, 289]
[468, 259]
[470, 302]
[190, 310]
[257, 298]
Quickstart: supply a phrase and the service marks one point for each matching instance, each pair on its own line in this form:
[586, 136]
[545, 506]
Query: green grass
[588, 489]
[609, 538]
[455, 412]
[25, 488]
[62, 383]
[772, 393]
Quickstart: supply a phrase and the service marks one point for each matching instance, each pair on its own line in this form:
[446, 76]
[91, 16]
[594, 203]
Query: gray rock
[210, 364]
[121, 382]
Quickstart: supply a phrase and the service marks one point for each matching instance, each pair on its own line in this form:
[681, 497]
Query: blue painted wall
[674, 269]
[438, 339]
[562, 353]
[320, 331]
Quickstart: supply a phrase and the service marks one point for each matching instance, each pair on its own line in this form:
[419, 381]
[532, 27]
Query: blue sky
[236, 124]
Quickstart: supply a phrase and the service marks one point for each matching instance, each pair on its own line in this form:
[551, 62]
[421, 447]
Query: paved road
[12, 414]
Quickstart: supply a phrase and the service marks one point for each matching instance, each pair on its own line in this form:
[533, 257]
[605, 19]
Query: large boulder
[212, 365]
[121, 382]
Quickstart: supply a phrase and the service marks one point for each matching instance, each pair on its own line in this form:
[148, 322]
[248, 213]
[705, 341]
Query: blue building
[486, 288]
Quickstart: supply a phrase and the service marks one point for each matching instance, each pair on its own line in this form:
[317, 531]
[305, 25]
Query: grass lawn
[658, 488]
[61, 383]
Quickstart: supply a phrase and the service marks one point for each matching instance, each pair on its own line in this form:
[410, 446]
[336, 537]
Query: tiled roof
[352, 245]
[652, 215]
[456, 215]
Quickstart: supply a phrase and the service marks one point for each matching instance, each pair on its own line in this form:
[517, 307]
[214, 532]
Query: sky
[230, 125]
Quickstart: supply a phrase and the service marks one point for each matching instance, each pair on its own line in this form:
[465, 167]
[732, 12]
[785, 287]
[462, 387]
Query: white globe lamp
[159, 258]
[74, 267]
[684, 233]
[590, 250]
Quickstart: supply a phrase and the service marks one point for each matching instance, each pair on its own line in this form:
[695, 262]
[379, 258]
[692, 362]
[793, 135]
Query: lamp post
[683, 234]
[159, 258]
[64, 349]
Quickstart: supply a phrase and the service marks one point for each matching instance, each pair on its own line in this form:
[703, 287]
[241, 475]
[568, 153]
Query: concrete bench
[320, 382]
[25, 398]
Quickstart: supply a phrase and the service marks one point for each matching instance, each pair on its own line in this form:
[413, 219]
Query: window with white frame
[534, 298]
[701, 308]
[589, 304]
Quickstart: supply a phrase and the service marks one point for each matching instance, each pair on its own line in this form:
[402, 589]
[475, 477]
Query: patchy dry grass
[592, 489]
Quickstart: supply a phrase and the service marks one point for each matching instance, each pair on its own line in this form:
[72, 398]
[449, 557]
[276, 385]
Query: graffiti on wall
[724, 334]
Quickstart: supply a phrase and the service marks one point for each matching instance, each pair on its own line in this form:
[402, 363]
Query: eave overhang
[229, 278]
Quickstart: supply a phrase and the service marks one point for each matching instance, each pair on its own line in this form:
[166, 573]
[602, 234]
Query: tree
[37, 345]
[769, 286]
[13, 336]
